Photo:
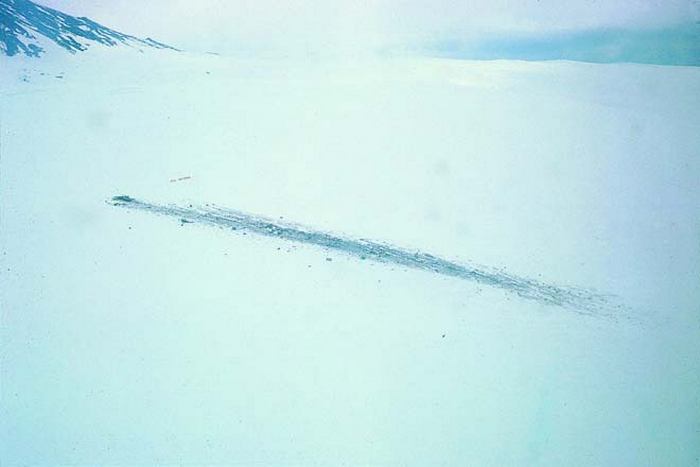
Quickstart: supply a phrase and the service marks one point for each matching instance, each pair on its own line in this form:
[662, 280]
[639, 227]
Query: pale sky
[231, 25]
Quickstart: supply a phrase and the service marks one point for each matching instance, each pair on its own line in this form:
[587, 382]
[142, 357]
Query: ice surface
[129, 338]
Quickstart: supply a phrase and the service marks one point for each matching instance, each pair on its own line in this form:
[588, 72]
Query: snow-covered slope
[129, 338]
[26, 28]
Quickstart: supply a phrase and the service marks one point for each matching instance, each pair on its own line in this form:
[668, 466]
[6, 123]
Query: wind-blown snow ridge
[23, 23]
[579, 300]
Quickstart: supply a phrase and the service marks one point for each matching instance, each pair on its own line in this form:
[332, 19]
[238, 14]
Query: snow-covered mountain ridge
[26, 28]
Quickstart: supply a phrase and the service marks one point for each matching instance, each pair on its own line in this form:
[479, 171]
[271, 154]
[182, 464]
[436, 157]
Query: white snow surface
[128, 338]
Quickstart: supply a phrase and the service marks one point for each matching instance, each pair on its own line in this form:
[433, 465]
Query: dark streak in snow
[579, 300]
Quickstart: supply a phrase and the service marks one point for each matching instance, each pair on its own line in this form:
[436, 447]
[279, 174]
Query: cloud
[316, 25]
